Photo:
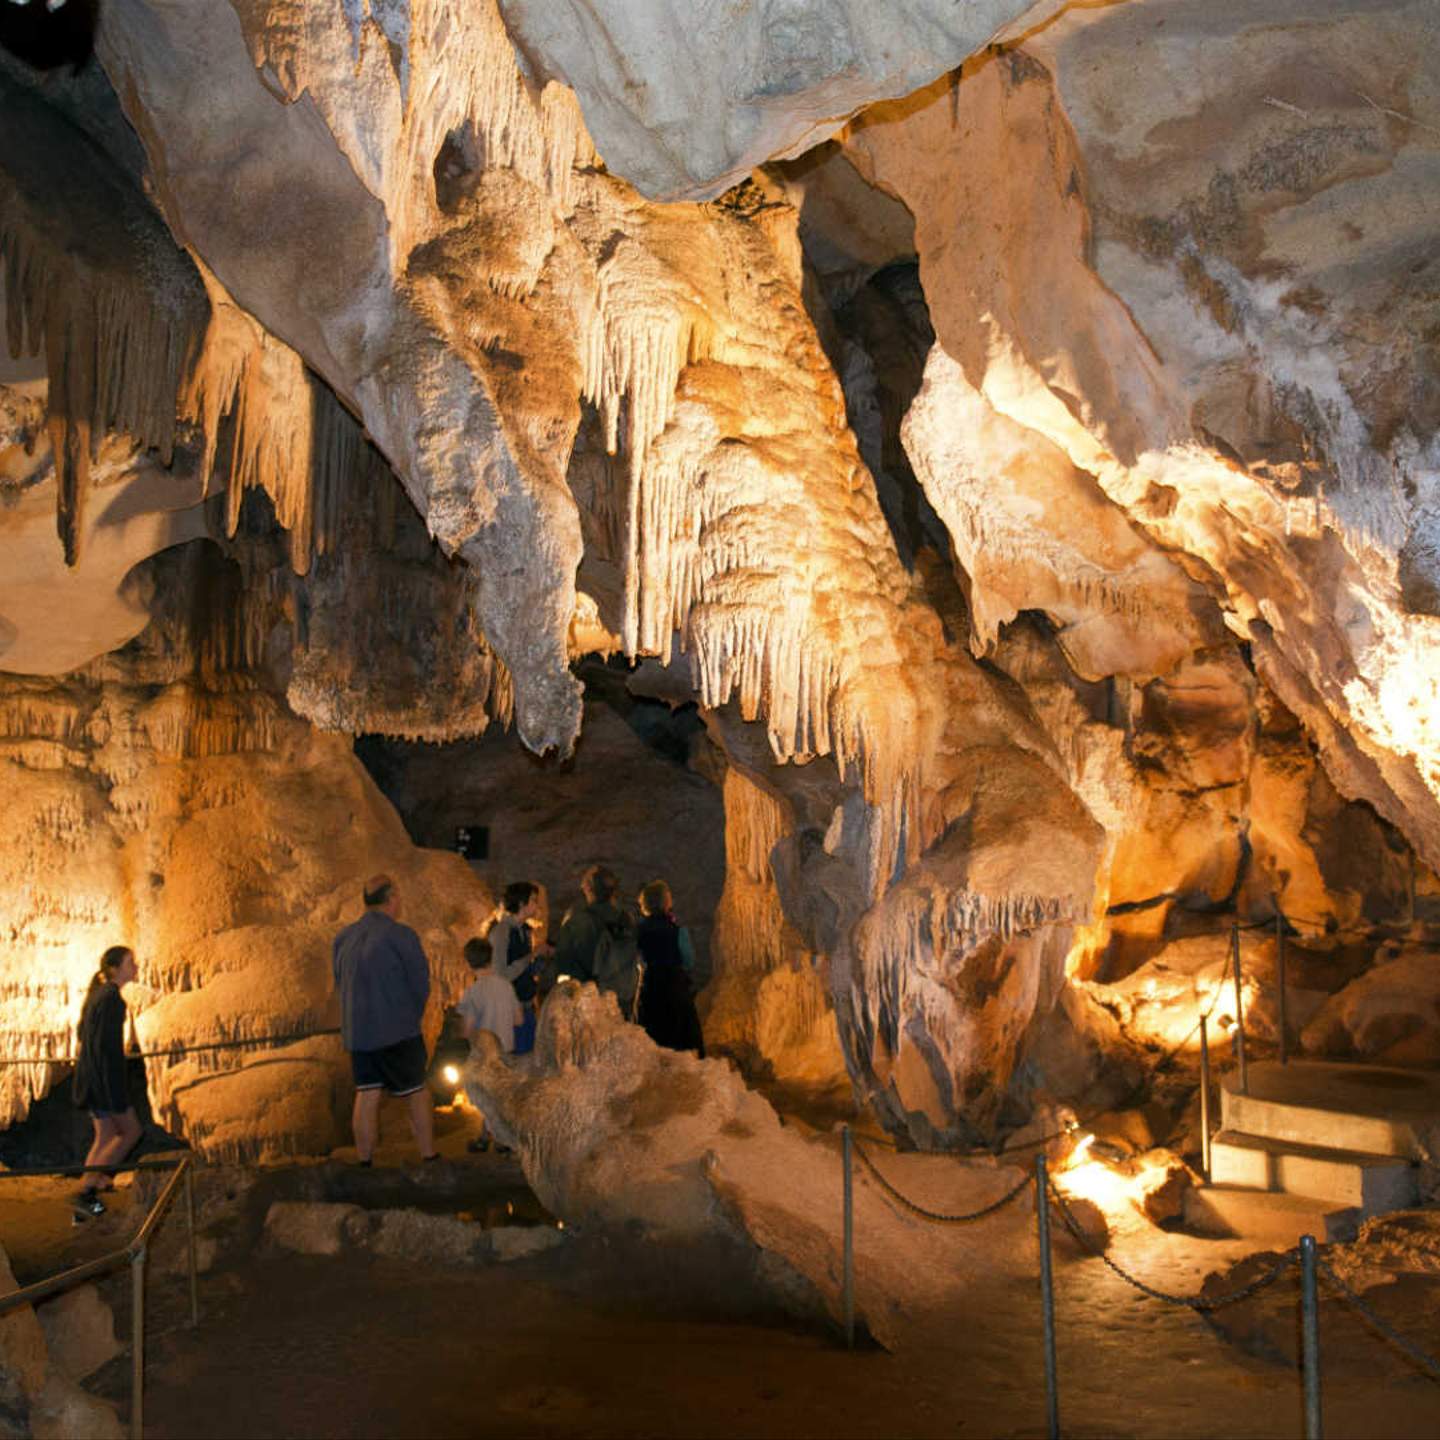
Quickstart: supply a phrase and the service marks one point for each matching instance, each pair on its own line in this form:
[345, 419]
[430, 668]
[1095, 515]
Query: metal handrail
[135, 1253]
[61, 1171]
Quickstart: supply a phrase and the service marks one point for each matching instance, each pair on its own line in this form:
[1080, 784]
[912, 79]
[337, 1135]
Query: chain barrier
[1190, 1302]
[935, 1216]
[1426, 1362]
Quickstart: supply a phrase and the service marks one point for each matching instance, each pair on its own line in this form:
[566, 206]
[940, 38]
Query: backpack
[617, 962]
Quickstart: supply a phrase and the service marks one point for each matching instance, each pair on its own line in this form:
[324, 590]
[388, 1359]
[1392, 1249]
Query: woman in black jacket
[100, 1085]
[667, 999]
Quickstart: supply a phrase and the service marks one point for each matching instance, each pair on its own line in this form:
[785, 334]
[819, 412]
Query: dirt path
[622, 1340]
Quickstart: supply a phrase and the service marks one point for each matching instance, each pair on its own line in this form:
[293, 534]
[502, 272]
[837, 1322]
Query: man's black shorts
[398, 1068]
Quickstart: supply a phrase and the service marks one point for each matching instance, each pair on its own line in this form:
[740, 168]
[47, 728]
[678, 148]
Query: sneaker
[87, 1204]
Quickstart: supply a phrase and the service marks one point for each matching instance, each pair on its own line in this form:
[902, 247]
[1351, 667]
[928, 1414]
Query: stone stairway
[1313, 1148]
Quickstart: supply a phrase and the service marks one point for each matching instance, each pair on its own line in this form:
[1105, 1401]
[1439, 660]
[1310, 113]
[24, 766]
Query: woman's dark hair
[110, 962]
[478, 953]
[517, 896]
[604, 882]
[655, 898]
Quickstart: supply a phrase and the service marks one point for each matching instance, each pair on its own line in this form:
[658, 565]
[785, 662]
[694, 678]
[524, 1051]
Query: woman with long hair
[100, 1085]
[516, 954]
[667, 998]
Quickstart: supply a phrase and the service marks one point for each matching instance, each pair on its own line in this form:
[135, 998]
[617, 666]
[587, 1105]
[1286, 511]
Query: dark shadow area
[47, 38]
[57, 1132]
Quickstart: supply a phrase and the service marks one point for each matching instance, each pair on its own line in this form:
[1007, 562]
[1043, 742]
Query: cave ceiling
[1029, 410]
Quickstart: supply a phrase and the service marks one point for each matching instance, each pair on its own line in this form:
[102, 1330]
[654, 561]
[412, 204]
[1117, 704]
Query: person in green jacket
[597, 925]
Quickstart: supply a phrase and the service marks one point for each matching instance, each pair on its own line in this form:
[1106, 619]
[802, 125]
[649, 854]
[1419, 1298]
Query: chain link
[935, 1216]
[1419, 1356]
[1190, 1302]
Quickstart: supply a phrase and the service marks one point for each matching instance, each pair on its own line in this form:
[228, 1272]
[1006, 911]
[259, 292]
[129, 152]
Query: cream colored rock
[683, 103]
[1164, 1179]
[520, 1242]
[24, 1363]
[1129, 311]
[315, 1227]
[616, 1133]
[768, 1004]
[79, 1331]
[1389, 1014]
[422, 1239]
[55, 617]
[227, 843]
[35, 1389]
[63, 1411]
[1032, 532]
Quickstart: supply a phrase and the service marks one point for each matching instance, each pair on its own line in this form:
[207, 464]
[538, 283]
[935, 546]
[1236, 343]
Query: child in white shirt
[489, 1004]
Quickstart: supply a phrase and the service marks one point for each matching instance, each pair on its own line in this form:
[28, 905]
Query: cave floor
[614, 1339]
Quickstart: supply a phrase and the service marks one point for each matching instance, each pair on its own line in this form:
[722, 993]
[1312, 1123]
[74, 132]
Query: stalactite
[115, 359]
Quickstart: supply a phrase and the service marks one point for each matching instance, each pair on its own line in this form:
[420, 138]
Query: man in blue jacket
[384, 980]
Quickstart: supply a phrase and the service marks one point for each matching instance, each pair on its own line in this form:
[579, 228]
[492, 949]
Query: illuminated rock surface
[614, 1133]
[1031, 484]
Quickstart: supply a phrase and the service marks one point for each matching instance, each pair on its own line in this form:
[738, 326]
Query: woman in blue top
[100, 1084]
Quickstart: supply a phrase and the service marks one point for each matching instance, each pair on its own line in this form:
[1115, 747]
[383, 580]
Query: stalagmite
[1032, 490]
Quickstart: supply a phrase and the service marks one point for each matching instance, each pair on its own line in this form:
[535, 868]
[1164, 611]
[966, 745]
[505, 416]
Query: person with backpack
[597, 940]
[666, 1006]
[517, 960]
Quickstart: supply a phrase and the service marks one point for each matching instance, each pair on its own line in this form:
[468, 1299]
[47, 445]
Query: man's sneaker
[87, 1204]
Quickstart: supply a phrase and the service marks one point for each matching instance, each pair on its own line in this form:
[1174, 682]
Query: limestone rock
[1029, 486]
[24, 1364]
[311, 1227]
[235, 839]
[1390, 1014]
[1165, 1178]
[1174, 370]
[684, 104]
[63, 1411]
[79, 1331]
[423, 1239]
[614, 1133]
[519, 1242]
[1087, 1230]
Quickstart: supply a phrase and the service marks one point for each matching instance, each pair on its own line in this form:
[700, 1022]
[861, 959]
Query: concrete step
[1370, 1109]
[1376, 1183]
[1266, 1216]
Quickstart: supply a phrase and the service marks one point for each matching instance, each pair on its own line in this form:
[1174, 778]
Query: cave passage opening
[640, 794]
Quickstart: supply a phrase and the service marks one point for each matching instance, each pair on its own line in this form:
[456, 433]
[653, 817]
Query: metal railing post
[1205, 1098]
[190, 1235]
[847, 1274]
[137, 1344]
[1239, 1009]
[1047, 1295]
[1310, 1337]
[1280, 985]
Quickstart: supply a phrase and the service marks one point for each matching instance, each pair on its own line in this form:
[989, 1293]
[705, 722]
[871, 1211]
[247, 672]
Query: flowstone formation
[167, 798]
[1031, 484]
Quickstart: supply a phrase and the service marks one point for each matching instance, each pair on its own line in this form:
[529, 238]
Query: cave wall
[174, 804]
[1031, 483]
